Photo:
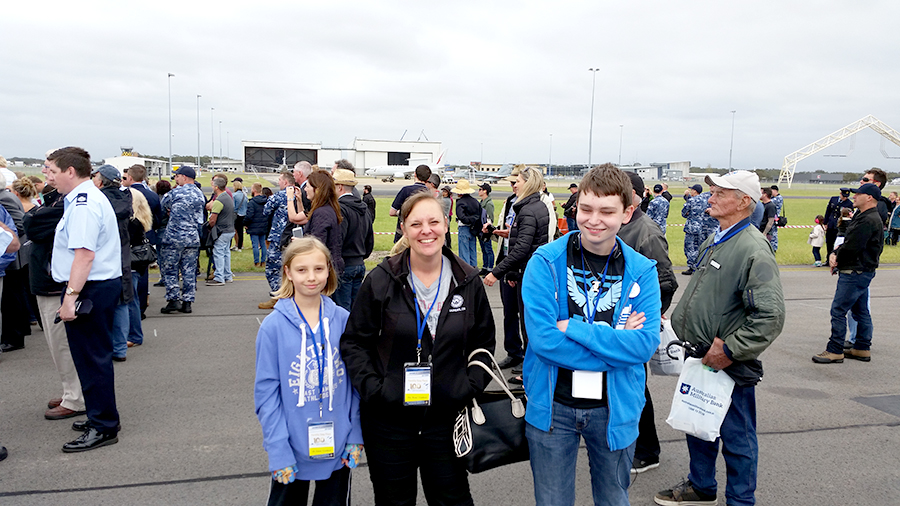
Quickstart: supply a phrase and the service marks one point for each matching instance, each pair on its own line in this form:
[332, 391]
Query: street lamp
[731, 149]
[220, 139]
[227, 143]
[171, 75]
[198, 131]
[593, 72]
[550, 158]
[621, 133]
[212, 136]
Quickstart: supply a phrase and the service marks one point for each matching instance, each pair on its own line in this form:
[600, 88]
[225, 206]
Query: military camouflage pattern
[184, 204]
[175, 260]
[273, 266]
[277, 204]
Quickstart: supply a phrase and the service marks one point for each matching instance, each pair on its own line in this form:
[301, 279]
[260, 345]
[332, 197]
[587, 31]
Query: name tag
[714, 264]
[416, 384]
[587, 385]
[321, 440]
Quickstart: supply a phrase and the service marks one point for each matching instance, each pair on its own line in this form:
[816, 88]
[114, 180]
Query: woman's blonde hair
[24, 187]
[141, 209]
[534, 182]
[407, 207]
[237, 185]
[303, 246]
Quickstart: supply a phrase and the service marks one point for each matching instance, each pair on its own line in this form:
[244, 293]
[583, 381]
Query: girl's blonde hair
[407, 207]
[303, 246]
[534, 182]
[141, 209]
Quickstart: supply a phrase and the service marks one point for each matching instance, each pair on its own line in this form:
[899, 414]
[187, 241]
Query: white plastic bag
[661, 364]
[701, 401]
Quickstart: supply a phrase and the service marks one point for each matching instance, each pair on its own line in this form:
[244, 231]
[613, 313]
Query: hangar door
[395, 158]
[273, 158]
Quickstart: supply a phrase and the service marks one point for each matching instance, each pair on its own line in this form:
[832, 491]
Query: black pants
[395, 449]
[830, 236]
[14, 306]
[647, 445]
[512, 342]
[238, 231]
[335, 491]
[143, 288]
[90, 340]
[895, 233]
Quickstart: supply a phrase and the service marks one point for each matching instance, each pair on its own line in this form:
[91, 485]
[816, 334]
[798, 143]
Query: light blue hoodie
[286, 391]
[621, 353]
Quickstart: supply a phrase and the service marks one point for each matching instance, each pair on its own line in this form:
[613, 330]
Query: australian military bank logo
[685, 389]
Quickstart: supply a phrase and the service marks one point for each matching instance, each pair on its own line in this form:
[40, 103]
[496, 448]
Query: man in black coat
[833, 216]
[356, 228]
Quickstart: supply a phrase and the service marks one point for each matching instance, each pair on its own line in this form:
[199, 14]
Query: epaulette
[81, 199]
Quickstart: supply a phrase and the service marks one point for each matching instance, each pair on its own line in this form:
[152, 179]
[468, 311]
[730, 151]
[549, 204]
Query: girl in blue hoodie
[308, 411]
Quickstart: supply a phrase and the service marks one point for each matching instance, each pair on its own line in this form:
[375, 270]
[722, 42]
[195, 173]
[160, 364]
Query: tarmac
[828, 434]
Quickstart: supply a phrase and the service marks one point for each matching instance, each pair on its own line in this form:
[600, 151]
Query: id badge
[321, 440]
[416, 384]
[587, 384]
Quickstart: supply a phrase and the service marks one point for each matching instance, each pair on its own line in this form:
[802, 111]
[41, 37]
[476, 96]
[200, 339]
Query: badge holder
[321, 440]
[417, 384]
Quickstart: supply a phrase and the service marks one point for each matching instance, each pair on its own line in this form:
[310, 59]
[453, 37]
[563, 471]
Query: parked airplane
[388, 173]
[492, 177]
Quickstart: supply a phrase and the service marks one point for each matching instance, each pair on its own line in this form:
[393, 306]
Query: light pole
[621, 133]
[212, 136]
[198, 131]
[171, 75]
[593, 72]
[227, 143]
[731, 149]
[220, 139]
[550, 158]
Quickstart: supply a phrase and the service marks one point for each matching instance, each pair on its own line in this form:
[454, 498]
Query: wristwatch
[69, 291]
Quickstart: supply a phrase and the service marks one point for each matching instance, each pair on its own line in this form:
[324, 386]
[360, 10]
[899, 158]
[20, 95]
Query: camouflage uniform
[181, 241]
[778, 200]
[658, 210]
[276, 204]
[696, 228]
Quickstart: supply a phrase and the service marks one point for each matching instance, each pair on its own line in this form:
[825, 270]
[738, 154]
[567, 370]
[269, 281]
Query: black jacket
[256, 221]
[528, 232]
[121, 204]
[468, 213]
[323, 225]
[863, 242]
[356, 228]
[40, 226]
[381, 336]
[369, 200]
[569, 208]
[645, 237]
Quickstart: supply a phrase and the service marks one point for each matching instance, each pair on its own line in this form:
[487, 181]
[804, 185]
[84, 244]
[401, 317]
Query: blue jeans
[348, 285]
[851, 294]
[467, 249]
[222, 257]
[120, 330]
[571, 223]
[739, 447]
[259, 248]
[135, 332]
[554, 454]
[487, 253]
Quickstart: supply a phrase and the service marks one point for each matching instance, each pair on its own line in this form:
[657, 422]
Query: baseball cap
[699, 189]
[868, 189]
[485, 186]
[344, 177]
[186, 171]
[636, 182]
[573, 185]
[657, 188]
[109, 172]
[240, 179]
[743, 180]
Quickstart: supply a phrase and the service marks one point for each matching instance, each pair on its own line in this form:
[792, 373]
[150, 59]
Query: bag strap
[490, 370]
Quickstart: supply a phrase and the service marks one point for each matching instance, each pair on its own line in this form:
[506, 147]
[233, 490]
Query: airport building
[155, 168]
[270, 156]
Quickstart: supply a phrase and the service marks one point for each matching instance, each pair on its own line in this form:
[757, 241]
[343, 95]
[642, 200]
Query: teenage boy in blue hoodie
[593, 305]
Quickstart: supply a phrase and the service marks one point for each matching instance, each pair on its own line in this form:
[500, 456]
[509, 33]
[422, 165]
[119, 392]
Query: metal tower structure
[790, 161]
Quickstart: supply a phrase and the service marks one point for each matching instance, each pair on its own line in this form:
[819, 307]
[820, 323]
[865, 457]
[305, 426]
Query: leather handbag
[143, 253]
[208, 236]
[490, 432]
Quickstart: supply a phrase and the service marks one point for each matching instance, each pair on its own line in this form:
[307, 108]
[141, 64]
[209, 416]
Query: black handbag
[143, 253]
[208, 236]
[490, 432]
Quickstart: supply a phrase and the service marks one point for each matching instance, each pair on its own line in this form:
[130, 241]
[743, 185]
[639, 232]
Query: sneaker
[213, 282]
[688, 272]
[508, 362]
[828, 358]
[229, 280]
[861, 355]
[684, 494]
[818, 264]
[641, 466]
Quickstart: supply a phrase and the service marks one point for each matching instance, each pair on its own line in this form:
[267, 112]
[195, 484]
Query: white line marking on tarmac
[259, 322]
[154, 332]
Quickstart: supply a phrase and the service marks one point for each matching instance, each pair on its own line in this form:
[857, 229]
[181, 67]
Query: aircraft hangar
[272, 156]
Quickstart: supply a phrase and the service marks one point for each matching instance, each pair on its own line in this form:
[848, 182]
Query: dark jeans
[895, 233]
[851, 294]
[90, 341]
[487, 253]
[571, 223]
[348, 285]
[239, 231]
[647, 445]
[512, 342]
[816, 255]
[739, 447]
[396, 449]
[335, 491]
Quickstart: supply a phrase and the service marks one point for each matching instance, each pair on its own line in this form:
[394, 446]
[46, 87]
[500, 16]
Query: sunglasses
[865, 180]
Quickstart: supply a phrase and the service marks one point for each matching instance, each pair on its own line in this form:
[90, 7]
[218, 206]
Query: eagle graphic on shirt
[578, 281]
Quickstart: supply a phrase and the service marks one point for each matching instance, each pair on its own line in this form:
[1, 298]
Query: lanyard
[587, 294]
[320, 361]
[421, 322]
[729, 235]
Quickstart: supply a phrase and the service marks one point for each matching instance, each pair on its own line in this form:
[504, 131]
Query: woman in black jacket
[325, 216]
[423, 305]
[528, 232]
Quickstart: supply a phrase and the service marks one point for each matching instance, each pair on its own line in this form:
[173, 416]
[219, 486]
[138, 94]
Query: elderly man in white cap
[734, 308]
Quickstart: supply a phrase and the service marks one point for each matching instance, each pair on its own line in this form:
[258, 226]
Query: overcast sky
[503, 77]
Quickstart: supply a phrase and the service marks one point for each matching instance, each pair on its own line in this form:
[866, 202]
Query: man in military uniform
[695, 227]
[87, 257]
[181, 242]
[276, 207]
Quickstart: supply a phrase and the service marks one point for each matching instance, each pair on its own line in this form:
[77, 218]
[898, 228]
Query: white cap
[743, 180]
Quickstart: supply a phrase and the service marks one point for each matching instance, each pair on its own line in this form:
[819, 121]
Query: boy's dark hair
[879, 176]
[423, 172]
[605, 180]
[72, 157]
[768, 192]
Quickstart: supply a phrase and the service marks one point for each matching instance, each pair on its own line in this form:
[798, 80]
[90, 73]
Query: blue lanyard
[587, 294]
[421, 322]
[729, 235]
[320, 360]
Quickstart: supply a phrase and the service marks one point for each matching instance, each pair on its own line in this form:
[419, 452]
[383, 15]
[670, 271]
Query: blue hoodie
[284, 410]
[621, 353]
